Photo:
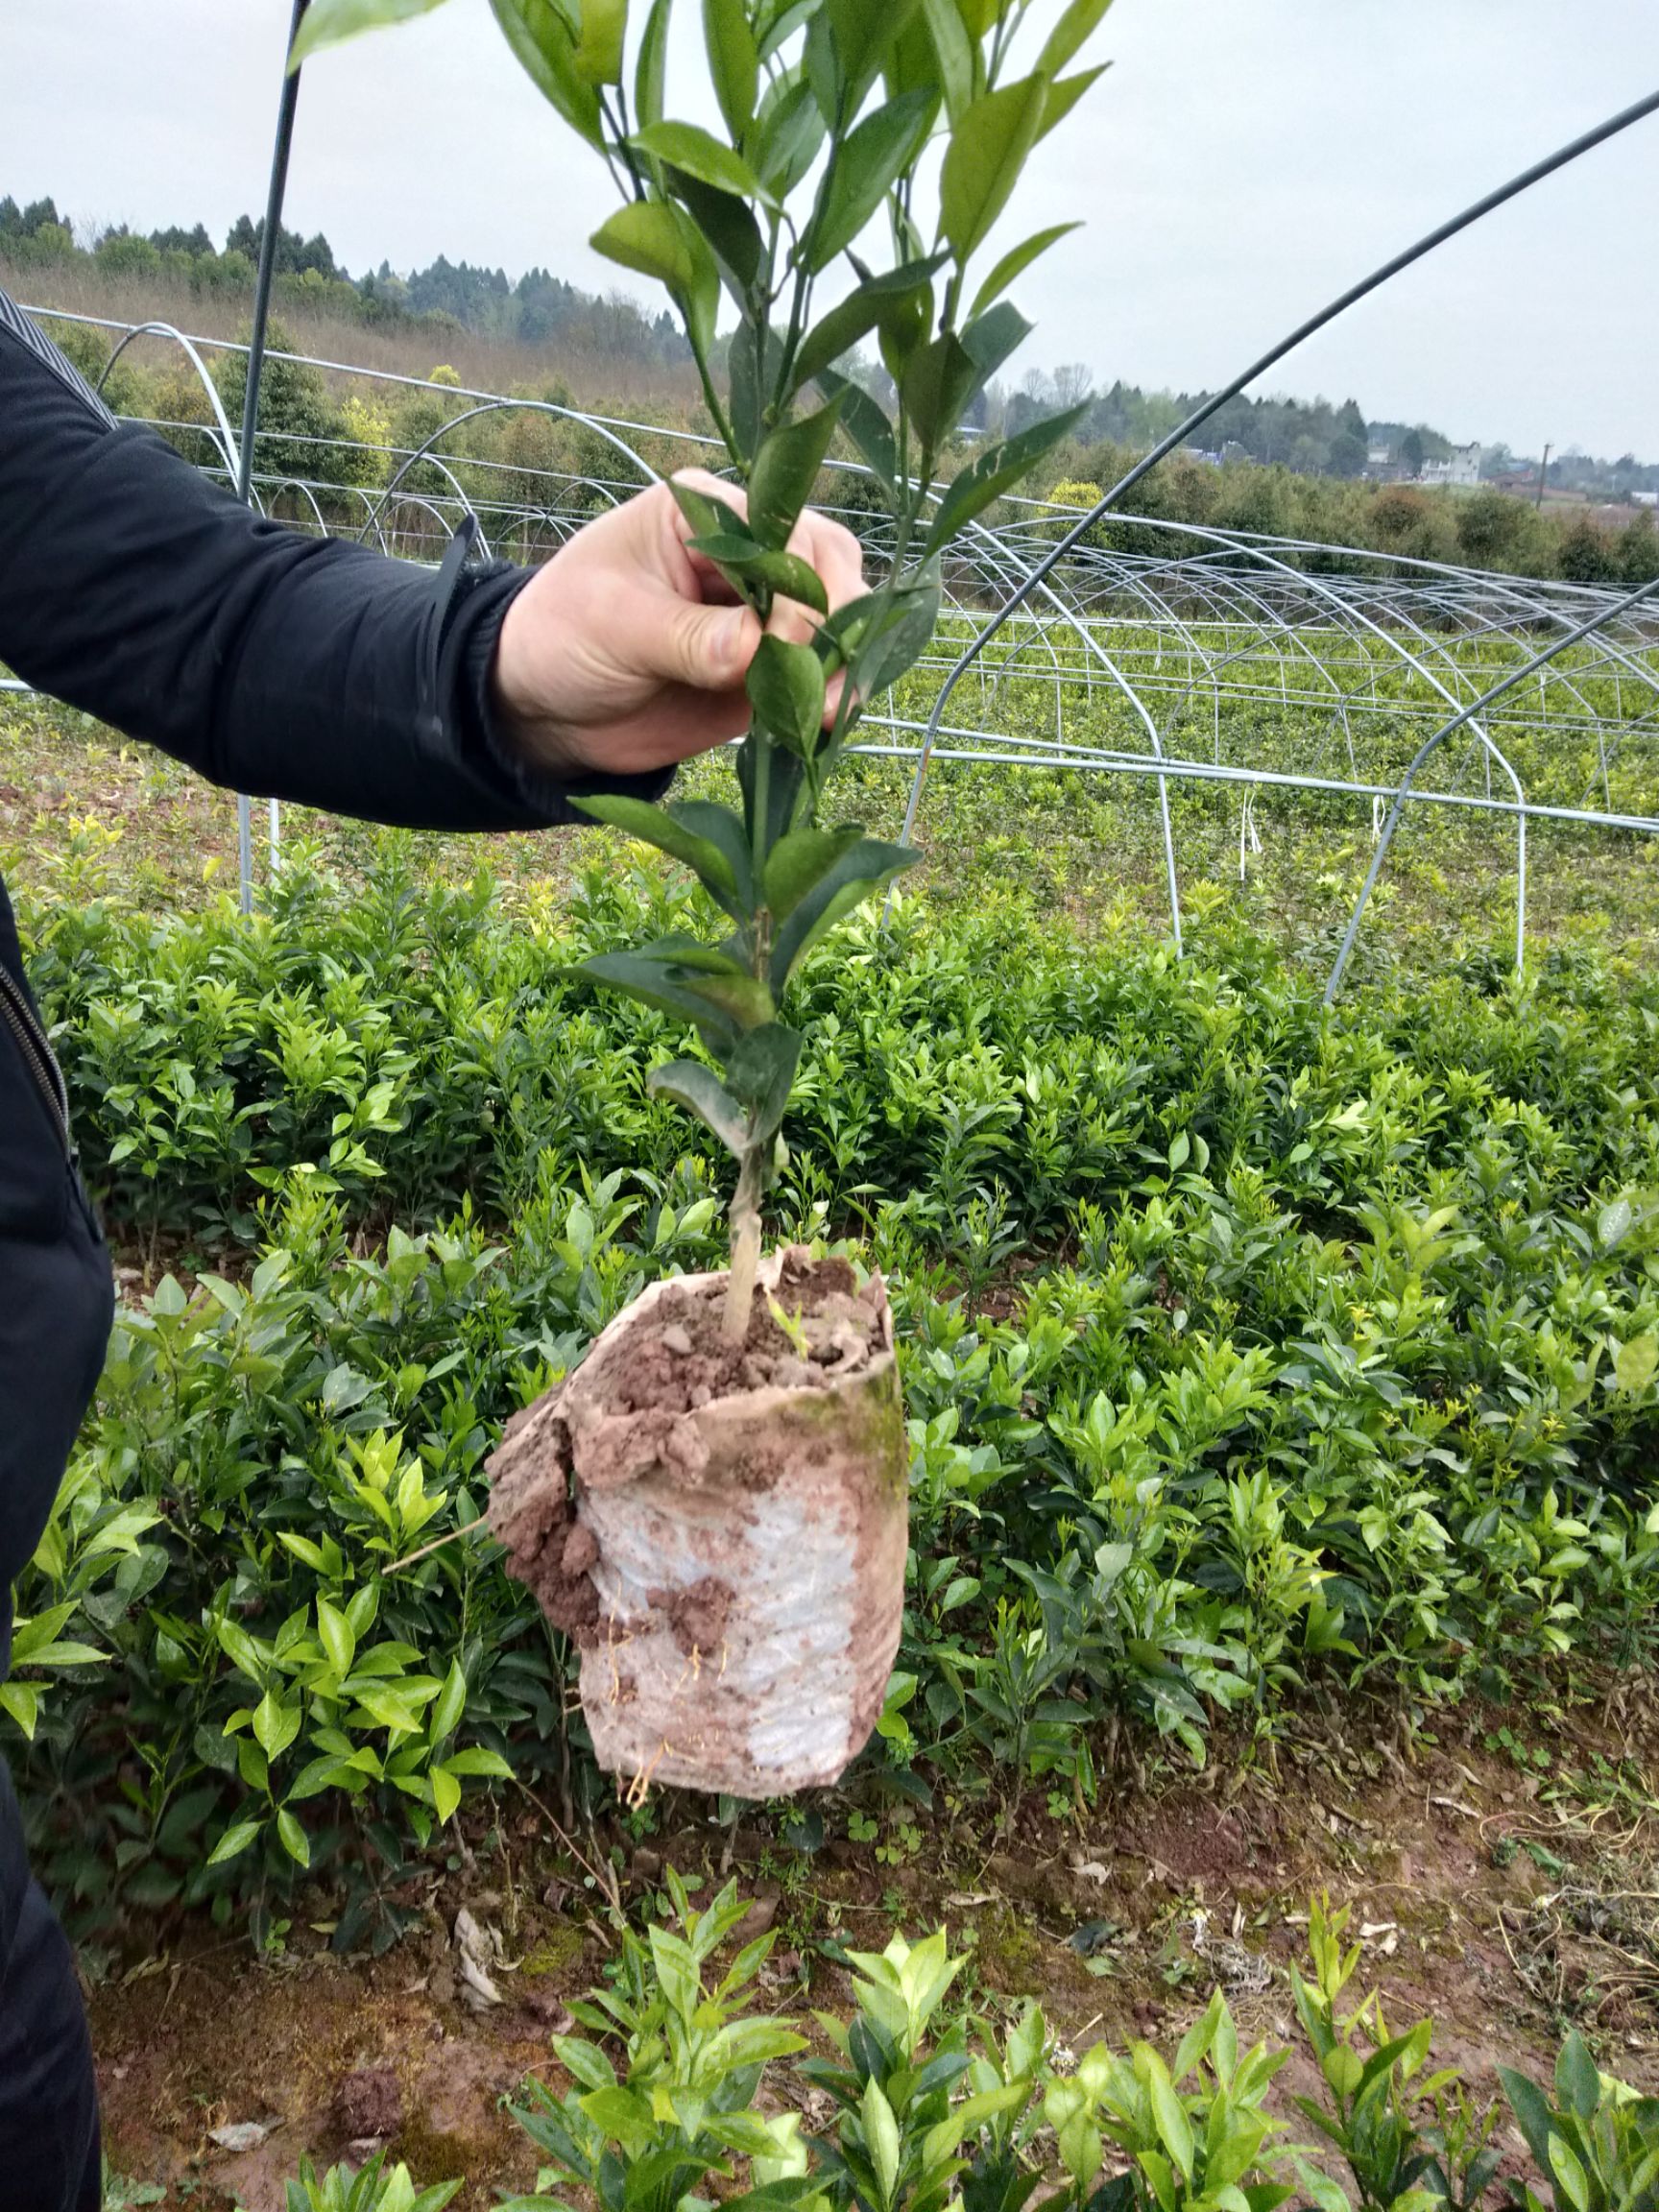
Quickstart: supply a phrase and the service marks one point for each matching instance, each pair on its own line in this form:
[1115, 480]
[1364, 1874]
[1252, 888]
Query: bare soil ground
[81, 808]
[1503, 1879]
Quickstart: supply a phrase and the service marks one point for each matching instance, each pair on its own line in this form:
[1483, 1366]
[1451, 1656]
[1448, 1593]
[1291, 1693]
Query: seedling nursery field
[1282, 1395]
[1114, 1286]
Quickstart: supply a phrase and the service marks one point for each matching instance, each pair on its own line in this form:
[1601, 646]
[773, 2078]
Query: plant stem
[761, 787]
[712, 399]
[745, 1248]
[754, 1171]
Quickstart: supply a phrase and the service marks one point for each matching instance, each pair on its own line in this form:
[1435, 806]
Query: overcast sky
[1243, 160]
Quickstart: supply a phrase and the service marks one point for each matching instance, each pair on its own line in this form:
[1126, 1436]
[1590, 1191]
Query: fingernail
[730, 638]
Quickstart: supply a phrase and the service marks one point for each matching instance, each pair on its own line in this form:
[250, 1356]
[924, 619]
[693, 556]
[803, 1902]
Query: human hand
[628, 651]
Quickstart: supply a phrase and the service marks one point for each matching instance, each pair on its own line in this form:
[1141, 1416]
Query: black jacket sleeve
[286, 666]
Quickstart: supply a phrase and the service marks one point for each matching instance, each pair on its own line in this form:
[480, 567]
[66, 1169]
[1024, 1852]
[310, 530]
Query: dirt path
[1499, 1883]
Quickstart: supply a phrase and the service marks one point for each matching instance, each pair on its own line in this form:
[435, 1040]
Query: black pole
[268, 242]
[272, 232]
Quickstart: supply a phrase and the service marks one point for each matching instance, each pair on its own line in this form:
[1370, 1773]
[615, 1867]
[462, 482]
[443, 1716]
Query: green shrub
[1335, 1353]
[926, 2110]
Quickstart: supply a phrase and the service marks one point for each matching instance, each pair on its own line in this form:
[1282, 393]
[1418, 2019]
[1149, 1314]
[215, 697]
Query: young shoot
[843, 122]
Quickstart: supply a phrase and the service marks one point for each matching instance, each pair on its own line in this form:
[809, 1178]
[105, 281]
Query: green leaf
[757, 2043]
[667, 830]
[857, 315]
[1568, 2173]
[1637, 1360]
[293, 1837]
[476, 1760]
[861, 870]
[451, 1703]
[734, 62]
[939, 379]
[599, 47]
[651, 68]
[882, 2134]
[787, 134]
[847, 45]
[801, 859]
[275, 1724]
[753, 361]
[34, 1631]
[1016, 261]
[780, 573]
[662, 241]
[701, 1092]
[446, 1792]
[785, 471]
[786, 687]
[878, 641]
[699, 154]
[303, 1549]
[865, 423]
[690, 981]
[234, 1841]
[912, 65]
[1064, 96]
[320, 1774]
[761, 1070]
[953, 53]
[994, 471]
[334, 1632]
[744, 999]
[1614, 1221]
[723, 828]
[1531, 2110]
[22, 1700]
[622, 2115]
[864, 170]
[1174, 2129]
[1077, 23]
[545, 47]
[734, 238]
[777, 21]
[1578, 2082]
[989, 339]
[654, 983]
[327, 21]
[70, 1654]
[786, 774]
[983, 160]
[708, 516]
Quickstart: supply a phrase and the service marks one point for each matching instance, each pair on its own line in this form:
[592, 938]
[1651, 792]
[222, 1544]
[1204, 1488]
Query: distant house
[1646, 498]
[1462, 468]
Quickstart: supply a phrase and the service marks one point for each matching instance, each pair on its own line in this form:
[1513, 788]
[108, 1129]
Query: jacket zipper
[19, 1017]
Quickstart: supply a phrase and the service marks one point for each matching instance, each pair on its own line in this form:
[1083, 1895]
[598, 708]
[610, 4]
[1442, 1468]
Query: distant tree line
[1309, 436]
[539, 310]
[1484, 528]
[1278, 466]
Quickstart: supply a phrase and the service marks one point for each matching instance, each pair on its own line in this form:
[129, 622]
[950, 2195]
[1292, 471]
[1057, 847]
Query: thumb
[706, 647]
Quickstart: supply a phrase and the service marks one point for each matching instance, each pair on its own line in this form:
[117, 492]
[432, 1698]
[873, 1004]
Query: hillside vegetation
[1293, 473]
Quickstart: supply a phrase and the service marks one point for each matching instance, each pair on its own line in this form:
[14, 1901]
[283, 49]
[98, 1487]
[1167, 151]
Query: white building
[1463, 468]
